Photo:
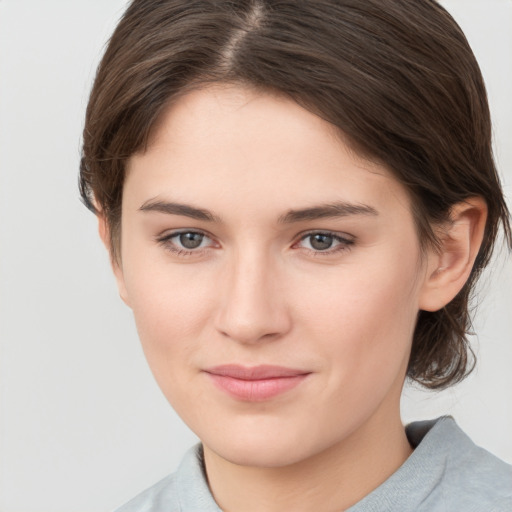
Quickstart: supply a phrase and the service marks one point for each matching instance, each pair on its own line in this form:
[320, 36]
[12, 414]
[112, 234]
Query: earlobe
[449, 268]
[104, 232]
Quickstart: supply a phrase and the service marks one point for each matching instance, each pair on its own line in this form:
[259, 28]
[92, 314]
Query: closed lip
[255, 383]
[261, 372]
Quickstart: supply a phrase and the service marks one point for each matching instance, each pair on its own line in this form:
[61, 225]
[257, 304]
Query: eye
[185, 242]
[190, 240]
[325, 242]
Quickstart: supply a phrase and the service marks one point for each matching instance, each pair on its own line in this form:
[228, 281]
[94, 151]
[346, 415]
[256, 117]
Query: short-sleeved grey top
[446, 472]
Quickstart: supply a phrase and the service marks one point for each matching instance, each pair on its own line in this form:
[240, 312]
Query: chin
[267, 456]
[265, 449]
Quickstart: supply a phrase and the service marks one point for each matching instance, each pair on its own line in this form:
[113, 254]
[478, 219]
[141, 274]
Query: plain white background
[83, 426]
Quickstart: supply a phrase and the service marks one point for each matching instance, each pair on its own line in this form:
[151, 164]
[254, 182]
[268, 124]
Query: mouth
[257, 383]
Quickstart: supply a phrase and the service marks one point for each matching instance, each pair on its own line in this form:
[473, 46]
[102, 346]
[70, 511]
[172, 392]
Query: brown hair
[397, 77]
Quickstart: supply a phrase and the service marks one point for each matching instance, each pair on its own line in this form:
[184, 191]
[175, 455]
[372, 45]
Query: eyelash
[344, 244]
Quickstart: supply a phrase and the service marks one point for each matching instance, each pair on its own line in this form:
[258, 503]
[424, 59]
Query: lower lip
[256, 390]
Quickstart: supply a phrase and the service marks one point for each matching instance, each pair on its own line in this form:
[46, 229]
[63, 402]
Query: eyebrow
[322, 211]
[179, 209]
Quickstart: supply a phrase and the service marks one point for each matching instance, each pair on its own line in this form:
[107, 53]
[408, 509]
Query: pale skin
[335, 295]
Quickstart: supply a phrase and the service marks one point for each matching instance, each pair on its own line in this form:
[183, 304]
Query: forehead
[241, 116]
[232, 147]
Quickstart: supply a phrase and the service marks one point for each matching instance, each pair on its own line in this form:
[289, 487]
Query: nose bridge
[252, 304]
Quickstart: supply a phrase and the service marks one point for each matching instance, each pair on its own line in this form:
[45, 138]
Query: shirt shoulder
[185, 490]
[446, 472]
[473, 478]
[161, 496]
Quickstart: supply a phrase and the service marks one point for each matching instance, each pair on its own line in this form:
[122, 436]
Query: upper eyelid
[335, 234]
[343, 241]
[170, 234]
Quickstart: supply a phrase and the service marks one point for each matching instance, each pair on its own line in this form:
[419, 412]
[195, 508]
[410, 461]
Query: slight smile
[257, 383]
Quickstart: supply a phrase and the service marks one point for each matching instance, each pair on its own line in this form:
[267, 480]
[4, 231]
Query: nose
[252, 302]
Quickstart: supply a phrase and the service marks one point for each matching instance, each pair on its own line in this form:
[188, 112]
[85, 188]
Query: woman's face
[275, 277]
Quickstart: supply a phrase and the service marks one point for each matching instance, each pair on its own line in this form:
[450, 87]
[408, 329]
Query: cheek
[363, 322]
[171, 306]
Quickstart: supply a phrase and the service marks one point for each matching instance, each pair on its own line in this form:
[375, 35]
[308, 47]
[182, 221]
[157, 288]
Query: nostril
[253, 326]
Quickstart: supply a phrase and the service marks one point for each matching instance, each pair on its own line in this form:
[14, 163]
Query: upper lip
[260, 372]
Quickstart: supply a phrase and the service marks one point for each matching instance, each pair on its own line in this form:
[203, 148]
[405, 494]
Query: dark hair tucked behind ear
[396, 76]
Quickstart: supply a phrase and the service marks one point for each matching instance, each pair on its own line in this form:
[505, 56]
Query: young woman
[298, 198]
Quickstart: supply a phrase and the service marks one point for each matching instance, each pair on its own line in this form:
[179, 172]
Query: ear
[449, 268]
[116, 265]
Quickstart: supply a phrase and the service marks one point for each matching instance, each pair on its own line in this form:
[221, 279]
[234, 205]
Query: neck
[332, 480]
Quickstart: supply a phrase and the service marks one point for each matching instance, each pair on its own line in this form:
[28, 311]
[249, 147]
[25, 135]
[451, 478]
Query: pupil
[321, 242]
[191, 240]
